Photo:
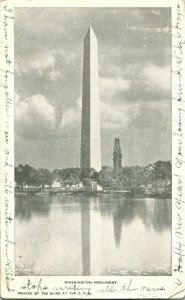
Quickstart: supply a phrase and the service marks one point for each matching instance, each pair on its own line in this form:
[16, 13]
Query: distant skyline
[134, 47]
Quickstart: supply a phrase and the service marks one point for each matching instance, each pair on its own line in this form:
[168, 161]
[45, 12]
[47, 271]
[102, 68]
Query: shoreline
[118, 193]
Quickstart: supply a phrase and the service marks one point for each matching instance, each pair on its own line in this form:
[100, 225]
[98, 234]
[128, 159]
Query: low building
[56, 184]
[77, 186]
[93, 187]
[80, 185]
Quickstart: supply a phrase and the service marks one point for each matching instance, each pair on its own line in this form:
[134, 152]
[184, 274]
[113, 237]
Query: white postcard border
[122, 287]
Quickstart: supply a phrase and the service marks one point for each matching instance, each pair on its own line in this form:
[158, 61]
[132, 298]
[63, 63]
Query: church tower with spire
[117, 156]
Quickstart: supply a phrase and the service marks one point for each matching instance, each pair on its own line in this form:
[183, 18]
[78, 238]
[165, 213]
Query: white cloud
[156, 77]
[38, 62]
[150, 29]
[42, 61]
[79, 103]
[16, 97]
[70, 117]
[115, 117]
[113, 85]
[54, 75]
[33, 109]
[36, 118]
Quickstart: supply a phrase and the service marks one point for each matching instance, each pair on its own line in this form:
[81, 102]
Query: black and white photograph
[92, 157]
[93, 141]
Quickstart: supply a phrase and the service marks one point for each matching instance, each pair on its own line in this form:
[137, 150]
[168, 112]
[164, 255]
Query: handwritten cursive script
[178, 133]
[7, 93]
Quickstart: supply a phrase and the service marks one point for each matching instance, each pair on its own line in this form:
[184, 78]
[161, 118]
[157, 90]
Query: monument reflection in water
[73, 235]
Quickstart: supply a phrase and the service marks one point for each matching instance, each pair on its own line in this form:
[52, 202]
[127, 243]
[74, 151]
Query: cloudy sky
[135, 83]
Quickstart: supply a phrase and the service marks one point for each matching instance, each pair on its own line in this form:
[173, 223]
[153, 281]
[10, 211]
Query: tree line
[127, 178]
[30, 176]
[136, 177]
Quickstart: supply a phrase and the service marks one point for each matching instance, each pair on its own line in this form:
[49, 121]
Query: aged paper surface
[92, 149]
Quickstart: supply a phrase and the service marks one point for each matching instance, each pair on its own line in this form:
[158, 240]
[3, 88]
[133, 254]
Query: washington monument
[90, 130]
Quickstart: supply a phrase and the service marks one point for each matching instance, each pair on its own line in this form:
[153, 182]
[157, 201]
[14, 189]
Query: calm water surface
[80, 235]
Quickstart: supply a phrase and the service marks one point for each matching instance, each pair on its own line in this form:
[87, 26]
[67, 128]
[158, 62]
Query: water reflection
[153, 212]
[26, 207]
[85, 237]
[98, 215]
[162, 215]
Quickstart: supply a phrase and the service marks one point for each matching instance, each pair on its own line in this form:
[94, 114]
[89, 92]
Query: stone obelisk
[90, 127]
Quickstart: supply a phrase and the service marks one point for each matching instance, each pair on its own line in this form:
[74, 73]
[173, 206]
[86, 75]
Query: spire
[117, 156]
[90, 33]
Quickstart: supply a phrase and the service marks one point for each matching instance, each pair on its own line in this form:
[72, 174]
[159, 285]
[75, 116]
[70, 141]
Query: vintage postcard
[92, 149]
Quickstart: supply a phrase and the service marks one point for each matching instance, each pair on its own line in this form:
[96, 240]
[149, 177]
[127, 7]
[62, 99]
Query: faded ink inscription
[7, 75]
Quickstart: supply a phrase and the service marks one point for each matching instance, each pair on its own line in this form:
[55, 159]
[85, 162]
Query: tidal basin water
[84, 235]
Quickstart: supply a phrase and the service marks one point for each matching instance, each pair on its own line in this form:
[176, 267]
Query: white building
[77, 186]
[56, 184]
[93, 187]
